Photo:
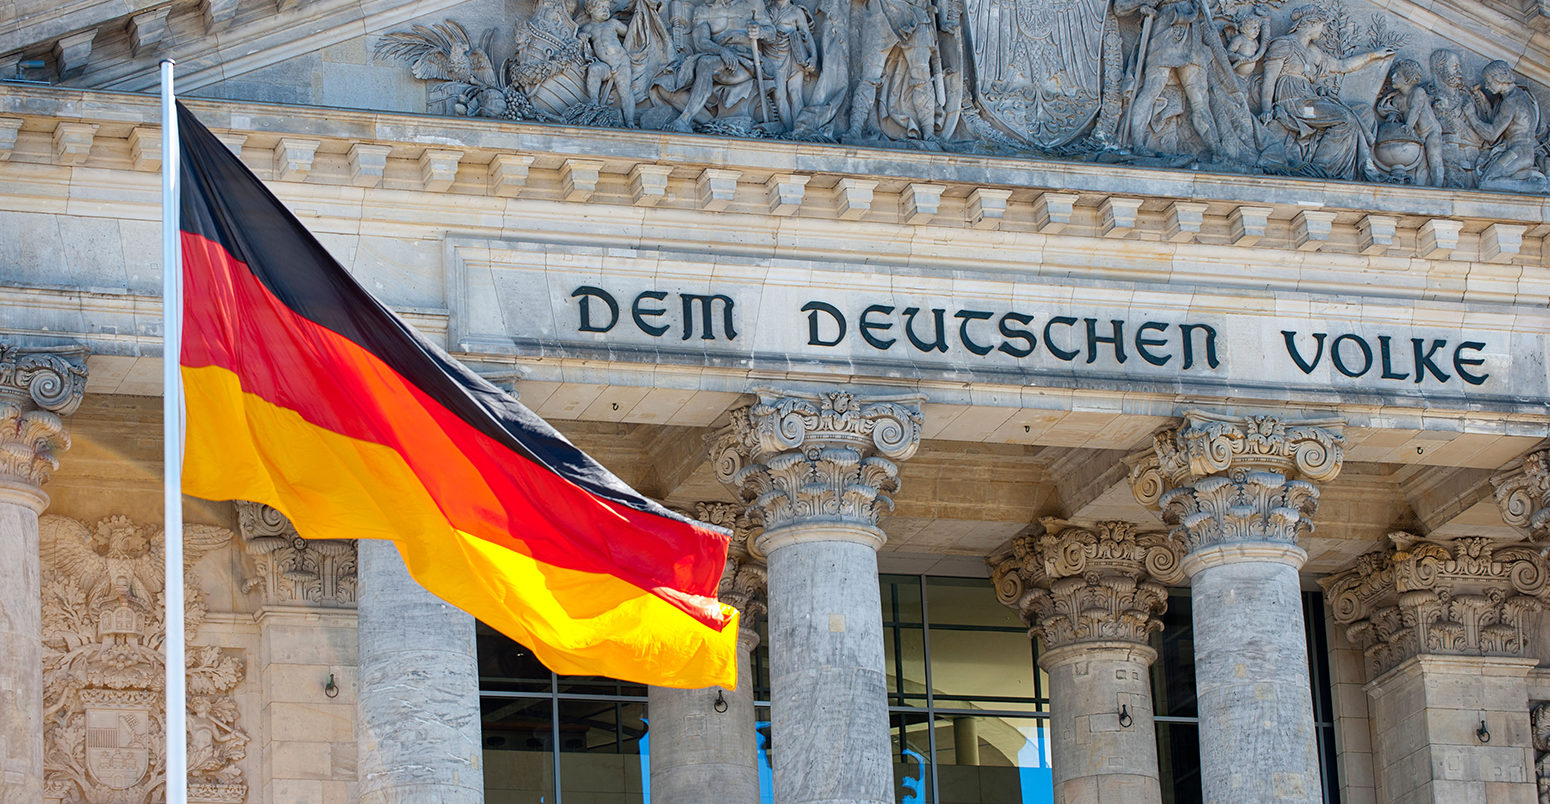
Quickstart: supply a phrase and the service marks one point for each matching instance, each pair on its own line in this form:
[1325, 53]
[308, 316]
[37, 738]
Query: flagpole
[172, 441]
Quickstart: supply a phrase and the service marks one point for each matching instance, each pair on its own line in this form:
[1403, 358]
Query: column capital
[1458, 597]
[290, 570]
[829, 458]
[1226, 480]
[37, 386]
[1523, 493]
[743, 581]
[1075, 585]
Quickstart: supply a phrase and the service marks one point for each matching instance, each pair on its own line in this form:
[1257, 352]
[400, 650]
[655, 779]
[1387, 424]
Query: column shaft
[1098, 758]
[1257, 739]
[829, 704]
[21, 646]
[699, 755]
[418, 718]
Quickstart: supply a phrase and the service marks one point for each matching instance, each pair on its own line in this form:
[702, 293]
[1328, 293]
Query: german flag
[306, 394]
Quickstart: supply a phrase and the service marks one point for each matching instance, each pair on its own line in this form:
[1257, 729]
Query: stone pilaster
[1444, 631]
[417, 719]
[1239, 493]
[307, 638]
[1094, 596]
[1523, 493]
[816, 470]
[37, 387]
[700, 754]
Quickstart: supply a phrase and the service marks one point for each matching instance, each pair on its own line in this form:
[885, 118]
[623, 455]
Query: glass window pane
[993, 760]
[1178, 760]
[993, 669]
[901, 599]
[600, 751]
[968, 601]
[904, 651]
[518, 762]
[1173, 674]
[911, 757]
[504, 665]
[766, 754]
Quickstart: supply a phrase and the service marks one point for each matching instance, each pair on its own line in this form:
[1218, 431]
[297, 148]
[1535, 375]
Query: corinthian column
[1094, 596]
[36, 387]
[816, 470]
[417, 716]
[1239, 494]
[1444, 627]
[1523, 493]
[703, 746]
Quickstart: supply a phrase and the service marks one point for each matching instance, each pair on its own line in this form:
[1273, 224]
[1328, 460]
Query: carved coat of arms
[1037, 65]
[103, 630]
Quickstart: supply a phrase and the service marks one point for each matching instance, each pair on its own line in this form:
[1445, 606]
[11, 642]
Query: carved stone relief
[291, 570]
[743, 580]
[1523, 494]
[103, 676]
[1464, 597]
[1304, 90]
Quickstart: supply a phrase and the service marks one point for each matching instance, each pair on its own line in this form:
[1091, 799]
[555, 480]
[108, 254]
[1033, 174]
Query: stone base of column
[417, 721]
[1257, 739]
[829, 703]
[1425, 715]
[1099, 758]
[699, 755]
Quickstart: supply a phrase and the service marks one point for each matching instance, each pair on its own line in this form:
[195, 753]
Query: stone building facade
[1110, 402]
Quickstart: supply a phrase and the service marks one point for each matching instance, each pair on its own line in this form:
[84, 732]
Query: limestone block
[785, 193]
[145, 147]
[853, 197]
[1246, 225]
[293, 158]
[648, 183]
[717, 188]
[508, 174]
[73, 52]
[438, 168]
[9, 128]
[921, 201]
[72, 142]
[367, 164]
[1117, 216]
[216, 13]
[233, 140]
[578, 178]
[1500, 242]
[147, 29]
[1184, 220]
[1438, 238]
[987, 206]
[1376, 233]
[1311, 229]
[1052, 211]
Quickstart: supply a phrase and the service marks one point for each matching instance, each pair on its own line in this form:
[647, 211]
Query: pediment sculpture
[1307, 90]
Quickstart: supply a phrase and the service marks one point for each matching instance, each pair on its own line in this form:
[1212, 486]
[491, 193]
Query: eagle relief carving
[103, 676]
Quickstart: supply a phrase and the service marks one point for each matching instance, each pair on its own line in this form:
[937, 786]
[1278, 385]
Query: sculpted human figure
[1454, 103]
[898, 42]
[1248, 43]
[604, 38]
[722, 37]
[1412, 132]
[792, 56]
[1176, 47]
[1321, 135]
[1511, 131]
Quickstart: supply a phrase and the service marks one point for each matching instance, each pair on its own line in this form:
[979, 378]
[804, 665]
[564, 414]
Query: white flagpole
[172, 440]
